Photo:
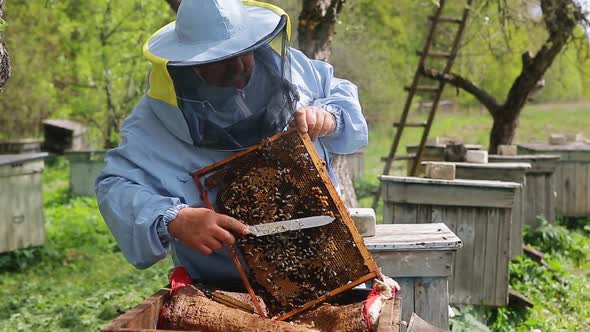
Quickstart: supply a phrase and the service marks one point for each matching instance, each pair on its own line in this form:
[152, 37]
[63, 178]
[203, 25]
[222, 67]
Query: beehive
[85, 167]
[572, 176]
[284, 178]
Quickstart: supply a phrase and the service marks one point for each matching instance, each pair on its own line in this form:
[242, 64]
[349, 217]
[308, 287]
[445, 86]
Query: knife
[289, 225]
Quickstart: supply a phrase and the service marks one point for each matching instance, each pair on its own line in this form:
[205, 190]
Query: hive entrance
[283, 178]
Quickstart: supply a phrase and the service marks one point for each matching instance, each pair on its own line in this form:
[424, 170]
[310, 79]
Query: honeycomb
[280, 179]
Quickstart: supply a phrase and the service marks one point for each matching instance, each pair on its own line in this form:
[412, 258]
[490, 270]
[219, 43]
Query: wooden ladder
[434, 90]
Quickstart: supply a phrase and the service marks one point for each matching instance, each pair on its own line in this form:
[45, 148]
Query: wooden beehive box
[420, 258]
[17, 146]
[572, 176]
[85, 167]
[478, 212]
[432, 152]
[540, 194]
[508, 172]
[144, 316]
[280, 179]
[21, 206]
[63, 135]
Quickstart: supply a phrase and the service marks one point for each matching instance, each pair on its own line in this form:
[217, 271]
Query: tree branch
[174, 4]
[460, 82]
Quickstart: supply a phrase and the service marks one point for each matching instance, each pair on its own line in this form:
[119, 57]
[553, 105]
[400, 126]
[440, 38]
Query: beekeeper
[223, 78]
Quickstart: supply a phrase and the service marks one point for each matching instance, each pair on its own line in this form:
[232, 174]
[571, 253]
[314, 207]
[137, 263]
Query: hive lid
[544, 146]
[404, 237]
[457, 182]
[9, 159]
[524, 157]
[494, 165]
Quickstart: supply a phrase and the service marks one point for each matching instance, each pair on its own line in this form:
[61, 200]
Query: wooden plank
[432, 301]
[581, 189]
[142, 316]
[478, 263]
[428, 194]
[491, 256]
[414, 263]
[569, 181]
[406, 293]
[558, 184]
[403, 213]
[503, 256]
[402, 237]
[424, 212]
[534, 198]
[551, 197]
[516, 224]
[463, 261]
[450, 216]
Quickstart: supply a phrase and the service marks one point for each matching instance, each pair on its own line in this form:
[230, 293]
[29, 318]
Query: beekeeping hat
[208, 31]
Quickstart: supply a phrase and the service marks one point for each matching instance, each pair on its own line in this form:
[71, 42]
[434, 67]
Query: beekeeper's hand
[315, 121]
[205, 230]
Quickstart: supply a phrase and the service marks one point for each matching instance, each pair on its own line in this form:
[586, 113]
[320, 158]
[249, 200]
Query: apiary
[540, 194]
[420, 258]
[284, 178]
[572, 176]
[21, 206]
[508, 172]
[478, 212]
[85, 167]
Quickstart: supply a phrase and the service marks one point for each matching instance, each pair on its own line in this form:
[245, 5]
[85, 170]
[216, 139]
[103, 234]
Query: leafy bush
[559, 241]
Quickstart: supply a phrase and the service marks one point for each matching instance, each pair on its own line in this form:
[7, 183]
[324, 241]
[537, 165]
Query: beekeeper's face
[231, 72]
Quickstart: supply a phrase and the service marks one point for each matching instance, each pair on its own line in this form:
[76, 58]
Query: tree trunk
[174, 4]
[316, 30]
[317, 27]
[561, 18]
[4, 58]
[503, 128]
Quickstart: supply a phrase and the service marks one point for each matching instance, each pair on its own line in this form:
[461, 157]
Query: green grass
[78, 281]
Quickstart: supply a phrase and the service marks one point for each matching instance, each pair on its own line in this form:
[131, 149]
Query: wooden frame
[333, 195]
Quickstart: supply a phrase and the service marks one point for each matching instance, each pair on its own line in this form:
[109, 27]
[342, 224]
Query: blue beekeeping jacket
[150, 171]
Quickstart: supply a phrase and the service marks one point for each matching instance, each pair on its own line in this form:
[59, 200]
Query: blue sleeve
[131, 207]
[317, 86]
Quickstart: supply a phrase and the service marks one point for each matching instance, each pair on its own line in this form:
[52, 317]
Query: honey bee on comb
[283, 178]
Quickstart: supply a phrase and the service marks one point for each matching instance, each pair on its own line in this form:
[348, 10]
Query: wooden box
[478, 212]
[432, 152]
[508, 172]
[420, 258]
[144, 316]
[26, 145]
[572, 176]
[85, 167]
[63, 135]
[21, 206]
[540, 195]
[356, 164]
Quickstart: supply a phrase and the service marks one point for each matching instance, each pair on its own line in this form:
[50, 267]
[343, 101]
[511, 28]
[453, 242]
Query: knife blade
[289, 225]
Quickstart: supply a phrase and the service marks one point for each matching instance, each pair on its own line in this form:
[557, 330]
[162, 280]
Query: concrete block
[477, 156]
[440, 171]
[507, 150]
[557, 139]
[364, 220]
[577, 137]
